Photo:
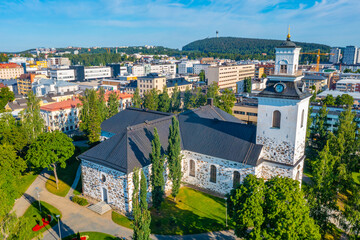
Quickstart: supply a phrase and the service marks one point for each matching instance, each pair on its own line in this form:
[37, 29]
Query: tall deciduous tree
[5, 96]
[145, 213]
[175, 99]
[187, 98]
[12, 133]
[13, 228]
[151, 99]
[202, 76]
[136, 99]
[164, 101]
[323, 193]
[272, 210]
[247, 85]
[227, 101]
[319, 132]
[11, 167]
[50, 149]
[157, 171]
[113, 104]
[32, 121]
[136, 211]
[352, 211]
[174, 156]
[103, 110]
[90, 115]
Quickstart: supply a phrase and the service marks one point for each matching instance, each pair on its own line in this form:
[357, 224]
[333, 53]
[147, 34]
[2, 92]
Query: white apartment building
[187, 66]
[43, 87]
[167, 69]
[20, 60]
[348, 85]
[63, 116]
[138, 70]
[91, 73]
[336, 57]
[227, 77]
[62, 74]
[200, 67]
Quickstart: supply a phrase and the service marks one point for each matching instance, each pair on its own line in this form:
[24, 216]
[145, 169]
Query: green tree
[90, 115]
[276, 209]
[13, 228]
[227, 101]
[202, 76]
[5, 96]
[31, 118]
[175, 99]
[200, 98]
[323, 193]
[174, 156]
[49, 150]
[263, 75]
[103, 110]
[187, 98]
[145, 213]
[344, 99]
[212, 91]
[164, 101]
[329, 100]
[157, 171]
[136, 99]
[352, 212]
[319, 131]
[347, 70]
[113, 104]
[247, 85]
[12, 133]
[151, 99]
[11, 167]
[136, 211]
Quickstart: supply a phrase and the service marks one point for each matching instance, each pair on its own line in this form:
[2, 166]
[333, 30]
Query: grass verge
[93, 235]
[121, 220]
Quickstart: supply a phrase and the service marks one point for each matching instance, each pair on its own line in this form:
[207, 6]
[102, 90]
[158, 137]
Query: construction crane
[108, 50]
[318, 57]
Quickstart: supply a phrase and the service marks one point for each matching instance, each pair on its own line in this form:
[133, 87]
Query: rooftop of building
[349, 80]
[9, 65]
[21, 103]
[152, 75]
[72, 103]
[314, 77]
[177, 81]
[335, 93]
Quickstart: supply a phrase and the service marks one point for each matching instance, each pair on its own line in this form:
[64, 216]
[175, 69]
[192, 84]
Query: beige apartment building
[152, 80]
[10, 70]
[227, 76]
[246, 109]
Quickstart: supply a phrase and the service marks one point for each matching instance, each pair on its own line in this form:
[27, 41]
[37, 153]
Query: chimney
[210, 101]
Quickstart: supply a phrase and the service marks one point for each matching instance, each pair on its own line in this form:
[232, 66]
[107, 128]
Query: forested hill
[246, 46]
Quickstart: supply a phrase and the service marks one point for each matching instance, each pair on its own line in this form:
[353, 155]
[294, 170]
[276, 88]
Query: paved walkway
[75, 183]
[80, 219]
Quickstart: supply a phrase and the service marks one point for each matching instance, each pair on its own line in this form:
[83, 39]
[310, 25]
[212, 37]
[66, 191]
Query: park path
[75, 183]
[80, 219]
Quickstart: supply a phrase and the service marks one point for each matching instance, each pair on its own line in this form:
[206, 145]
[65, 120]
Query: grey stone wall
[224, 172]
[282, 152]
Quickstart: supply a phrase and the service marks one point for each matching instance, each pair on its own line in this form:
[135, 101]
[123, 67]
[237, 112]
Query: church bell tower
[282, 116]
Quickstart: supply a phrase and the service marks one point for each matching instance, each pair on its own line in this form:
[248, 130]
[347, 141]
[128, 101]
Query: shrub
[79, 200]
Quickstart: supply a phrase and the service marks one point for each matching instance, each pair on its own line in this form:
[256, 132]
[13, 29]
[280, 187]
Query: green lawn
[66, 175]
[356, 177]
[121, 220]
[26, 180]
[33, 212]
[193, 212]
[93, 235]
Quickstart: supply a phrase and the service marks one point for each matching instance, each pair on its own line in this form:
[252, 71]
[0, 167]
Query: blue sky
[28, 24]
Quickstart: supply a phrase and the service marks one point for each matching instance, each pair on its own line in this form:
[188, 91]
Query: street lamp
[38, 195]
[226, 211]
[58, 218]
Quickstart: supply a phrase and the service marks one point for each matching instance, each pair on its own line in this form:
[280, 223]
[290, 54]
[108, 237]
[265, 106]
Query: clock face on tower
[279, 87]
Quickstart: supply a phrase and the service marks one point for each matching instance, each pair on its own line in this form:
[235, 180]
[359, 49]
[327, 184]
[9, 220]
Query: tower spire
[288, 35]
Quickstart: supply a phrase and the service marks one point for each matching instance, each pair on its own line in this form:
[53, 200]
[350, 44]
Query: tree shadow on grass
[173, 220]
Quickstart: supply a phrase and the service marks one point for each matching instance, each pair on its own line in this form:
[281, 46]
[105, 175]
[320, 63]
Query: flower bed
[45, 223]
[86, 237]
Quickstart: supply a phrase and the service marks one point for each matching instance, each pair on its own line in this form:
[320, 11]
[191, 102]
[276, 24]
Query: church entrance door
[105, 195]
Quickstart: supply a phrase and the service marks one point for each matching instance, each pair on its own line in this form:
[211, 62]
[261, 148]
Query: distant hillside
[246, 46]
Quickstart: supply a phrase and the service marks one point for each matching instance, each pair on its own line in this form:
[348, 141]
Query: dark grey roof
[178, 81]
[293, 90]
[287, 44]
[314, 77]
[22, 103]
[200, 132]
[132, 84]
[129, 117]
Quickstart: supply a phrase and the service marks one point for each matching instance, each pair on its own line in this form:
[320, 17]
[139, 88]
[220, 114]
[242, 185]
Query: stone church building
[218, 150]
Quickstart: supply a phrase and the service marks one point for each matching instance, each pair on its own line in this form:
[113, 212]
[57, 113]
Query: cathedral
[218, 150]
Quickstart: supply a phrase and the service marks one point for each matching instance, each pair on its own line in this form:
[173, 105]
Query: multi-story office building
[200, 67]
[348, 85]
[336, 57]
[187, 66]
[10, 70]
[63, 116]
[62, 73]
[227, 76]
[167, 69]
[91, 73]
[150, 81]
[246, 109]
[115, 69]
[58, 61]
[350, 55]
[24, 83]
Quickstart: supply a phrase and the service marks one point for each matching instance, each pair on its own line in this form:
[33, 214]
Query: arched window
[302, 118]
[213, 174]
[298, 176]
[192, 168]
[236, 179]
[276, 119]
[103, 178]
